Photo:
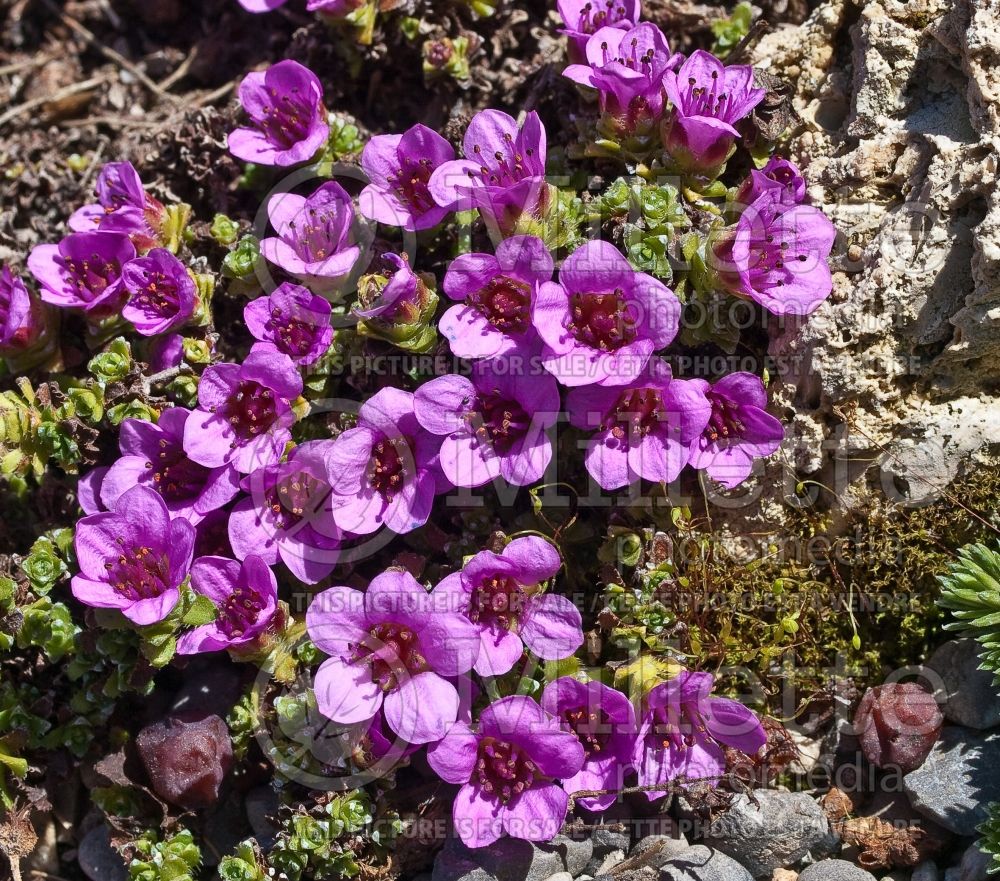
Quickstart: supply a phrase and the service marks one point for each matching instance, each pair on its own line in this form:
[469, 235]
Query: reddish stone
[897, 725]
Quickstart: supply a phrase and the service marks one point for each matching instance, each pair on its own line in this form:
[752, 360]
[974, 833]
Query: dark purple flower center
[598, 14]
[630, 56]
[725, 422]
[499, 421]
[391, 650]
[174, 475]
[316, 233]
[678, 727]
[592, 727]
[505, 303]
[387, 467]
[239, 613]
[287, 118]
[498, 601]
[409, 183]
[706, 100]
[91, 276]
[602, 321]
[251, 409]
[138, 573]
[784, 175]
[295, 335]
[503, 769]
[504, 167]
[640, 409]
[770, 255]
[296, 496]
[159, 294]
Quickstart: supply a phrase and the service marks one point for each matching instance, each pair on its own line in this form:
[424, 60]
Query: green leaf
[202, 611]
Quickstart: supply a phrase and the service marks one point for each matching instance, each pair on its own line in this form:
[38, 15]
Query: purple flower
[88, 490]
[502, 174]
[603, 320]
[627, 67]
[244, 412]
[645, 428]
[165, 352]
[384, 471]
[292, 321]
[780, 175]
[122, 206]
[604, 721]
[493, 425]
[23, 324]
[739, 430]
[584, 17]
[777, 255]
[507, 767]
[397, 305]
[399, 168]
[708, 99]
[313, 238]
[497, 294]
[682, 729]
[133, 558]
[390, 648]
[500, 594]
[83, 271]
[246, 596]
[285, 106]
[257, 6]
[162, 294]
[288, 514]
[153, 456]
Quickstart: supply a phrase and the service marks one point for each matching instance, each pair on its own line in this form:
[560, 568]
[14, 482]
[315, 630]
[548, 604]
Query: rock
[607, 840]
[509, 859]
[604, 864]
[971, 698]
[783, 829]
[926, 871]
[897, 724]
[262, 804]
[560, 876]
[958, 780]
[784, 875]
[973, 867]
[835, 870]
[653, 849]
[98, 860]
[700, 863]
[576, 854]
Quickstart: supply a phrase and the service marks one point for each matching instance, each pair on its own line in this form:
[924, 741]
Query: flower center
[630, 56]
[498, 601]
[504, 167]
[639, 409]
[505, 303]
[316, 234]
[295, 496]
[239, 613]
[602, 321]
[677, 728]
[159, 295]
[295, 334]
[91, 276]
[503, 770]
[410, 184]
[593, 728]
[707, 100]
[725, 422]
[138, 573]
[251, 409]
[392, 649]
[285, 120]
[499, 421]
[175, 477]
[387, 466]
[593, 17]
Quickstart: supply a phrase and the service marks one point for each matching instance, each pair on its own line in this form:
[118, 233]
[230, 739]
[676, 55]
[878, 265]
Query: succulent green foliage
[244, 865]
[241, 261]
[176, 858]
[729, 31]
[447, 57]
[970, 590]
[345, 139]
[224, 230]
[990, 841]
[243, 720]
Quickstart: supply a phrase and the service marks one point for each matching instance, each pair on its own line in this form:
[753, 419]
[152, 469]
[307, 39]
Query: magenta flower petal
[537, 814]
[477, 817]
[422, 709]
[552, 627]
[453, 758]
[345, 693]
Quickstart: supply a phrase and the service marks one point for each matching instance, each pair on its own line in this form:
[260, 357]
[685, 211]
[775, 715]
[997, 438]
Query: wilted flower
[779, 175]
[397, 305]
[153, 456]
[246, 595]
[502, 174]
[627, 67]
[123, 206]
[583, 18]
[493, 425]
[399, 168]
[777, 255]
[645, 428]
[390, 648]
[708, 98]
[738, 431]
[291, 320]
[604, 721]
[133, 558]
[83, 271]
[162, 294]
[684, 729]
[285, 106]
[496, 294]
[244, 412]
[502, 595]
[313, 238]
[507, 767]
[385, 469]
[288, 514]
[23, 319]
[602, 320]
